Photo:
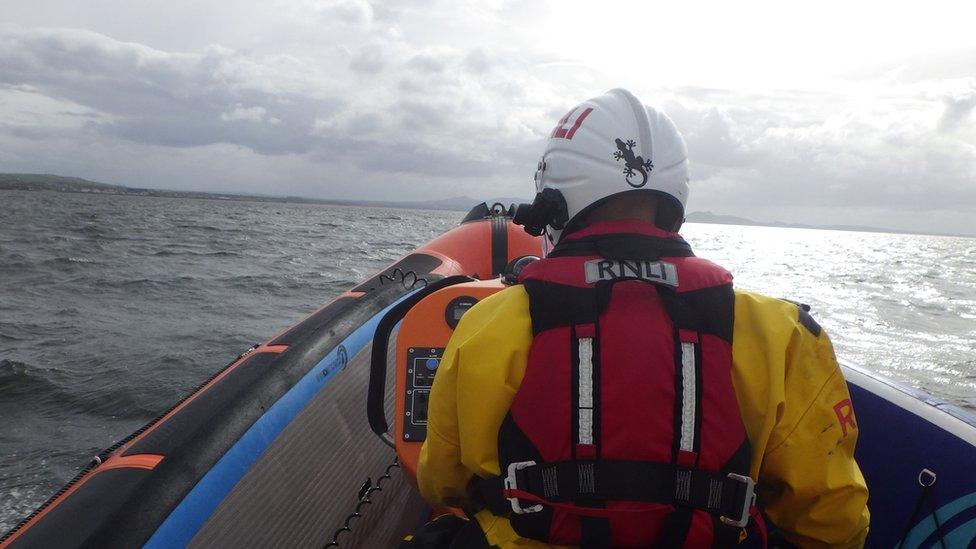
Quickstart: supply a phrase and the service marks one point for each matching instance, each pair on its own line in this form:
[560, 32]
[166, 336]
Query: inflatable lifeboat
[291, 444]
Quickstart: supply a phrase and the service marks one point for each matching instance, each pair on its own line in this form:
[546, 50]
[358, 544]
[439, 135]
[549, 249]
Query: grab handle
[376, 394]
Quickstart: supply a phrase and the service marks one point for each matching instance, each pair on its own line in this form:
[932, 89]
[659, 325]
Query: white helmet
[606, 146]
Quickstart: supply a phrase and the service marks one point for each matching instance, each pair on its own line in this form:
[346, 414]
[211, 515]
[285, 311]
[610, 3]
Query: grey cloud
[353, 12]
[428, 62]
[416, 114]
[369, 60]
[820, 156]
[957, 109]
[479, 62]
[178, 100]
[391, 11]
[392, 100]
[919, 67]
[42, 132]
[713, 137]
[438, 124]
[365, 123]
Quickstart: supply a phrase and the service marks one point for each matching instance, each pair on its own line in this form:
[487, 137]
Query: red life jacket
[625, 430]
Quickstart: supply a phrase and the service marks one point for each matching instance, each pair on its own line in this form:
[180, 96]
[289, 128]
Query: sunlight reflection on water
[902, 305]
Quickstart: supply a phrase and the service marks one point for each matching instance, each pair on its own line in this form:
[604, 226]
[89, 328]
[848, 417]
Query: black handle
[376, 394]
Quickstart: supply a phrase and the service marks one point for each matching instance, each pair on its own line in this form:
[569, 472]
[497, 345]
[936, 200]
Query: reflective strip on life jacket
[585, 388]
[688, 397]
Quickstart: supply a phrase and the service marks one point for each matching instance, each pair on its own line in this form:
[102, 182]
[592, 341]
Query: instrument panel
[422, 363]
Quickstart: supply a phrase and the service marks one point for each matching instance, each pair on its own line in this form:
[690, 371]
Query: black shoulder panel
[711, 311]
[553, 305]
[808, 322]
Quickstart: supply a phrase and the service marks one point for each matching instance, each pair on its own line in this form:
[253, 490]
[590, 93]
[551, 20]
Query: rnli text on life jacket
[659, 272]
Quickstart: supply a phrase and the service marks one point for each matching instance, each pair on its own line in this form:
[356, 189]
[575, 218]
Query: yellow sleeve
[801, 422]
[481, 370]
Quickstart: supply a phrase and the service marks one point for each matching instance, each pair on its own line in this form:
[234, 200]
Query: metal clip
[747, 502]
[512, 484]
[927, 478]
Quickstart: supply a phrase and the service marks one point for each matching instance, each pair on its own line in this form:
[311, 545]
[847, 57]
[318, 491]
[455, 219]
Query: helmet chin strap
[549, 241]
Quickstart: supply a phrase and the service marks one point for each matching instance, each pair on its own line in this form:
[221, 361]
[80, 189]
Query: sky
[819, 112]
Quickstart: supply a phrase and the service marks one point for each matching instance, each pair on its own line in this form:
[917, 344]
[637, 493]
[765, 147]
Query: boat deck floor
[304, 486]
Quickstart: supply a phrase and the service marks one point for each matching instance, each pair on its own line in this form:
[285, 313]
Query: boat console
[426, 320]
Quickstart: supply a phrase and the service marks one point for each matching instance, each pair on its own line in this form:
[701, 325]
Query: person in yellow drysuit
[791, 393]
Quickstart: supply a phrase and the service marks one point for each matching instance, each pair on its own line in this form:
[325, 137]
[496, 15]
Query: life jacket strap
[558, 484]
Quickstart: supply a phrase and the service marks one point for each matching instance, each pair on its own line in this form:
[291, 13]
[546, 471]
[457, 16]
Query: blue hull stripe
[926, 526]
[187, 518]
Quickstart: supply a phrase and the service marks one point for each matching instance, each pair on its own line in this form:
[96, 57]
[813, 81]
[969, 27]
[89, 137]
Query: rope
[365, 492]
[398, 275]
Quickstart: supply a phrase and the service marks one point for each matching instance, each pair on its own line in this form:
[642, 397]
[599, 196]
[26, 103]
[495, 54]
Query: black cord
[922, 498]
[365, 492]
[409, 279]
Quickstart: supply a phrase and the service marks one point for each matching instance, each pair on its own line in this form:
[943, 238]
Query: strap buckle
[512, 484]
[747, 502]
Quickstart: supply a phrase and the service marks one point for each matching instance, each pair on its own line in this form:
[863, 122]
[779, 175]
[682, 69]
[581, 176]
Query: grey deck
[302, 488]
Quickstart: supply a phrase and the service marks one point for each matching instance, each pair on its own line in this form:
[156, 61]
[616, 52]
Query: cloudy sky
[820, 112]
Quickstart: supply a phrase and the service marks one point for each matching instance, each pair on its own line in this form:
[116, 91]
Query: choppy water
[112, 308]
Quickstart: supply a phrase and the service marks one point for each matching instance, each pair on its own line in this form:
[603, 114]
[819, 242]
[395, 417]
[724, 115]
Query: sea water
[114, 307]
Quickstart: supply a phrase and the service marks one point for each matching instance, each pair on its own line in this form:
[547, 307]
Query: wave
[78, 260]
[89, 230]
[17, 379]
[172, 253]
[154, 282]
[205, 228]
[37, 389]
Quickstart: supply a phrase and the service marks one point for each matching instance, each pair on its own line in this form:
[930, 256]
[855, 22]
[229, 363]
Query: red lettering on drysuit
[845, 415]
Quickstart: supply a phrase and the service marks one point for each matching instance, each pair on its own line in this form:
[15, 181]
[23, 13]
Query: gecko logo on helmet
[633, 164]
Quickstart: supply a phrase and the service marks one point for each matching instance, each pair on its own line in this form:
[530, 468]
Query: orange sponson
[466, 249]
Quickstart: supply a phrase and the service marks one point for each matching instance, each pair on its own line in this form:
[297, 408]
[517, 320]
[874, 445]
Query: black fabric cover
[89, 506]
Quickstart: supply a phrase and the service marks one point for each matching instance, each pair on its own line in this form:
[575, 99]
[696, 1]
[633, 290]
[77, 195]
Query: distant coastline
[61, 184]
[57, 183]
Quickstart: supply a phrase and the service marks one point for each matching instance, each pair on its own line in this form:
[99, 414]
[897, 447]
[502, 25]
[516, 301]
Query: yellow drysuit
[793, 398]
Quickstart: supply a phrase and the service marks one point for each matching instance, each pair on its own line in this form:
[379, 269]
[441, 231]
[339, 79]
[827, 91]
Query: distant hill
[709, 217]
[46, 182]
[57, 183]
